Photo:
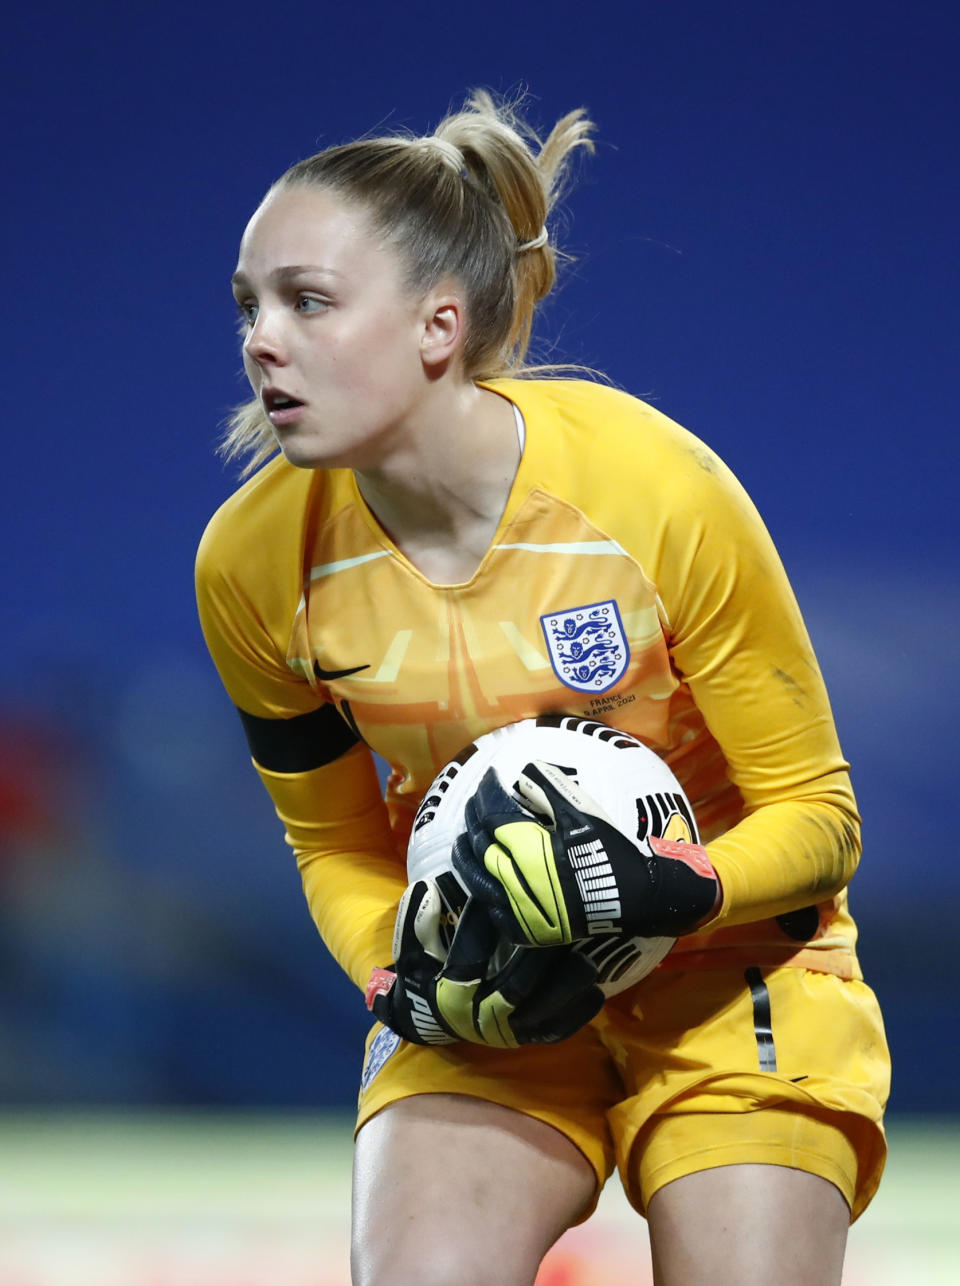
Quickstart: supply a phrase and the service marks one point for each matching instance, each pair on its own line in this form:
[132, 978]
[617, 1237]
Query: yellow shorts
[684, 1072]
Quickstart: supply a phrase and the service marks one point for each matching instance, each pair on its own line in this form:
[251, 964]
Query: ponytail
[525, 178]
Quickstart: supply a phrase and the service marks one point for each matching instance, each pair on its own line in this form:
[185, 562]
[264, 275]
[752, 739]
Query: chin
[303, 455]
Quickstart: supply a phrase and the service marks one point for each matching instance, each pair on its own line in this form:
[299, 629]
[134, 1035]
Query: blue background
[765, 247]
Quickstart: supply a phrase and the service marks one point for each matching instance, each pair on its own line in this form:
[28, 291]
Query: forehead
[301, 225]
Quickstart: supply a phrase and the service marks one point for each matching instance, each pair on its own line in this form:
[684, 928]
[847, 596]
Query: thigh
[747, 1225]
[454, 1189]
[570, 1086]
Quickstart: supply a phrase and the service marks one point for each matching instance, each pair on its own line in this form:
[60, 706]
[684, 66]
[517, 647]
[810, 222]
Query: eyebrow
[288, 271]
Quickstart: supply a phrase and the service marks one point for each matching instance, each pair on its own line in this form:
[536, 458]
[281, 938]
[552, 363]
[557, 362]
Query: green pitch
[263, 1200]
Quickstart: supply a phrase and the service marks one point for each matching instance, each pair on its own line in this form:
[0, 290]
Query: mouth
[281, 407]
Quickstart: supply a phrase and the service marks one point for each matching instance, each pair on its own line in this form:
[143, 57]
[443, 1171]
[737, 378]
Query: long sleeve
[738, 642]
[321, 778]
[336, 822]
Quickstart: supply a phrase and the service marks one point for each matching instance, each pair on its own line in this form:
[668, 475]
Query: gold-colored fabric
[612, 503]
[667, 1081]
[696, 1096]
[336, 822]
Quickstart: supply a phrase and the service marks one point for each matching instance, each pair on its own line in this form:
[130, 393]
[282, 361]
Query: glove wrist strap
[380, 984]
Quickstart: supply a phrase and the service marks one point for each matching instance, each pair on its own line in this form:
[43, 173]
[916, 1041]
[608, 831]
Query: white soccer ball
[633, 786]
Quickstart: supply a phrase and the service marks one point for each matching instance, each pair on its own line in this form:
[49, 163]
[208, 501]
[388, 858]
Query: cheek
[251, 370]
[386, 354]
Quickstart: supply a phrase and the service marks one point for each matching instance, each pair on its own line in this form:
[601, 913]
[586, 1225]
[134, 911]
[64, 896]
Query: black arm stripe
[299, 744]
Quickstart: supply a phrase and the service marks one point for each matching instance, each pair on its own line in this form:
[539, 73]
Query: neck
[448, 481]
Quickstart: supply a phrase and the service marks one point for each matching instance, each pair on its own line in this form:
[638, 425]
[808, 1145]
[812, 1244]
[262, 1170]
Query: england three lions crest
[588, 648]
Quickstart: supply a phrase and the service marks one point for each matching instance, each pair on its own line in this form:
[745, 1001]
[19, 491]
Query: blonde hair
[469, 201]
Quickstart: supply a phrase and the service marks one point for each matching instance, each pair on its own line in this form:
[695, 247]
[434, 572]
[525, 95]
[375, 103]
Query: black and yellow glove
[552, 868]
[536, 997]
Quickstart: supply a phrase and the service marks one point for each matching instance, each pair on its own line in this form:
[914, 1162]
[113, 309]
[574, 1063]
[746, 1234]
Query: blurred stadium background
[765, 245]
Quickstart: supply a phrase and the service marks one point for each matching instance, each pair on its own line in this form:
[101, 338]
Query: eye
[246, 313]
[310, 304]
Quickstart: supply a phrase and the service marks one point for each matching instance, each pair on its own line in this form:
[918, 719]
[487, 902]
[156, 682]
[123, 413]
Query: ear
[443, 328]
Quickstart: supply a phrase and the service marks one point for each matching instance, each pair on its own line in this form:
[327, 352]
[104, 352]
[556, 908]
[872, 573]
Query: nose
[264, 342]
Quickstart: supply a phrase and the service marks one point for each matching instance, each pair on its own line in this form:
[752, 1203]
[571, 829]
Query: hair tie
[540, 240]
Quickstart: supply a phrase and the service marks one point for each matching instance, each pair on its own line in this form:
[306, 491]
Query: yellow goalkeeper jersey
[630, 580]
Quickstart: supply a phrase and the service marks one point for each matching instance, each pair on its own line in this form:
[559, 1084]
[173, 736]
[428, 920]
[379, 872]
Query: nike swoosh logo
[327, 676]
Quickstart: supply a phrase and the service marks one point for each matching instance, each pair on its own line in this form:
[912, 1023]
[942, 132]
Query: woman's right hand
[535, 997]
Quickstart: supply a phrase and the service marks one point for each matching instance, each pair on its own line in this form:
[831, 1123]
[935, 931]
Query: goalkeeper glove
[557, 870]
[537, 997]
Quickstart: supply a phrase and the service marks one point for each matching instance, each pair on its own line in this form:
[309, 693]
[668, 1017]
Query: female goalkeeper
[387, 583]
